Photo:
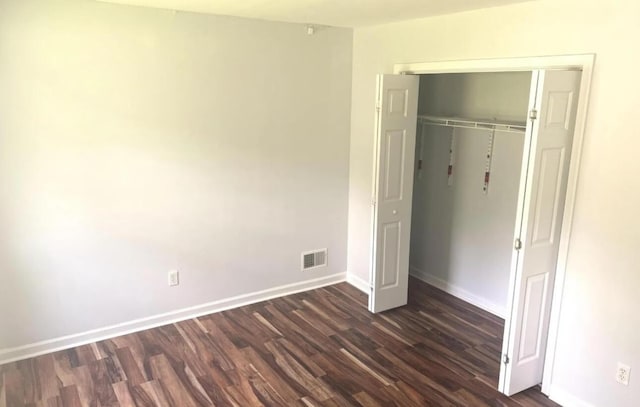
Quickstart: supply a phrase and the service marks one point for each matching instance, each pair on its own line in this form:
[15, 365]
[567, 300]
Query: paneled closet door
[397, 110]
[545, 171]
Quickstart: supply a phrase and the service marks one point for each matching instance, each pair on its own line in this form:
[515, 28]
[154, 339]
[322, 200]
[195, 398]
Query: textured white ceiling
[344, 13]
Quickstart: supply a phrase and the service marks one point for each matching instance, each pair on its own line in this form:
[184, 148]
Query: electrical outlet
[622, 374]
[174, 278]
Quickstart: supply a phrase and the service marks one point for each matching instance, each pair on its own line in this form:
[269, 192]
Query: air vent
[313, 259]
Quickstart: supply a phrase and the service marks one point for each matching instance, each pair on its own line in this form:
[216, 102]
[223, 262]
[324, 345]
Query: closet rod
[512, 127]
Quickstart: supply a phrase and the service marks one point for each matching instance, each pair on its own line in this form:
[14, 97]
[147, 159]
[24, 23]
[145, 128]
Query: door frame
[583, 62]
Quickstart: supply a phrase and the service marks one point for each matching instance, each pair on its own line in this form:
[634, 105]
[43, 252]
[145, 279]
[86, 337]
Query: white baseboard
[359, 283]
[566, 399]
[458, 292]
[53, 345]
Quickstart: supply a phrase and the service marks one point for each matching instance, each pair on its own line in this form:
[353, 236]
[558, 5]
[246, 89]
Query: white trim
[53, 345]
[497, 64]
[359, 283]
[459, 292]
[374, 191]
[566, 399]
[584, 62]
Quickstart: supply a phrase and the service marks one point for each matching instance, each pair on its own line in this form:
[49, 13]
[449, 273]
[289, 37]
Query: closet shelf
[513, 127]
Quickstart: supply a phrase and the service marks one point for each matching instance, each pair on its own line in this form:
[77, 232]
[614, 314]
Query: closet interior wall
[462, 236]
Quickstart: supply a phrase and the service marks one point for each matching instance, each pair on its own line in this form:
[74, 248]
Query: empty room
[319, 203]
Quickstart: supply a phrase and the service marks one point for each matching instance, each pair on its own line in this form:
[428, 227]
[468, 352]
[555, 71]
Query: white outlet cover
[623, 373]
[174, 278]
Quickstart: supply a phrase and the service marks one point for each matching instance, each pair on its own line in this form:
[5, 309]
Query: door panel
[543, 194]
[398, 102]
[393, 190]
[545, 220]
[559, 106]
[395, 160]
[535, 295]
[390, 254]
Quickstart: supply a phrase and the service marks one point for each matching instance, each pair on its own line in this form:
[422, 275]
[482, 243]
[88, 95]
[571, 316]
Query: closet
[470, 175]
[468, 158]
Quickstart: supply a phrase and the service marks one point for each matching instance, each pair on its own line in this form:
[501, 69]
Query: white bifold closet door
[397, 115]
[554, 99]
[542, 195]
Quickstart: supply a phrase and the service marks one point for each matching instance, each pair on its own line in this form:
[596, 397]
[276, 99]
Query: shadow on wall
[434, 148]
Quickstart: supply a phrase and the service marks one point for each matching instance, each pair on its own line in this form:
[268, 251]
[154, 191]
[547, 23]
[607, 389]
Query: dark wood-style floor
[319, 348]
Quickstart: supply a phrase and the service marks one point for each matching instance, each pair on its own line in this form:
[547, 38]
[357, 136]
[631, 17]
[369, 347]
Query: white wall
[134, 141]
[600, 324]
[487, 95]
[450, 223]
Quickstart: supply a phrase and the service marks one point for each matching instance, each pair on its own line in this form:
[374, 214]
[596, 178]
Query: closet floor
[318, 348]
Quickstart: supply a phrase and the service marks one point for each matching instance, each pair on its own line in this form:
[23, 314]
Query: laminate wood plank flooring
[317, 348]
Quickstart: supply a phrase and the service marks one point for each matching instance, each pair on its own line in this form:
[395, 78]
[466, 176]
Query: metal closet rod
[512, 127]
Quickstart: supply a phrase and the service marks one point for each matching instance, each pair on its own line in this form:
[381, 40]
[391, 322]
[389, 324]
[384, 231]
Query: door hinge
[518, 244]
[533, 114]
[378, 103]
[505, 359]
[373, 202]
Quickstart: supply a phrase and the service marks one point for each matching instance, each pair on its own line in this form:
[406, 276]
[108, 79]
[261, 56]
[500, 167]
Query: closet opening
[472, 166]
[468, 158]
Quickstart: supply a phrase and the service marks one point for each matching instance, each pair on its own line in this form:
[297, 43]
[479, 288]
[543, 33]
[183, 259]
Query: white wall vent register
[313, 259]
